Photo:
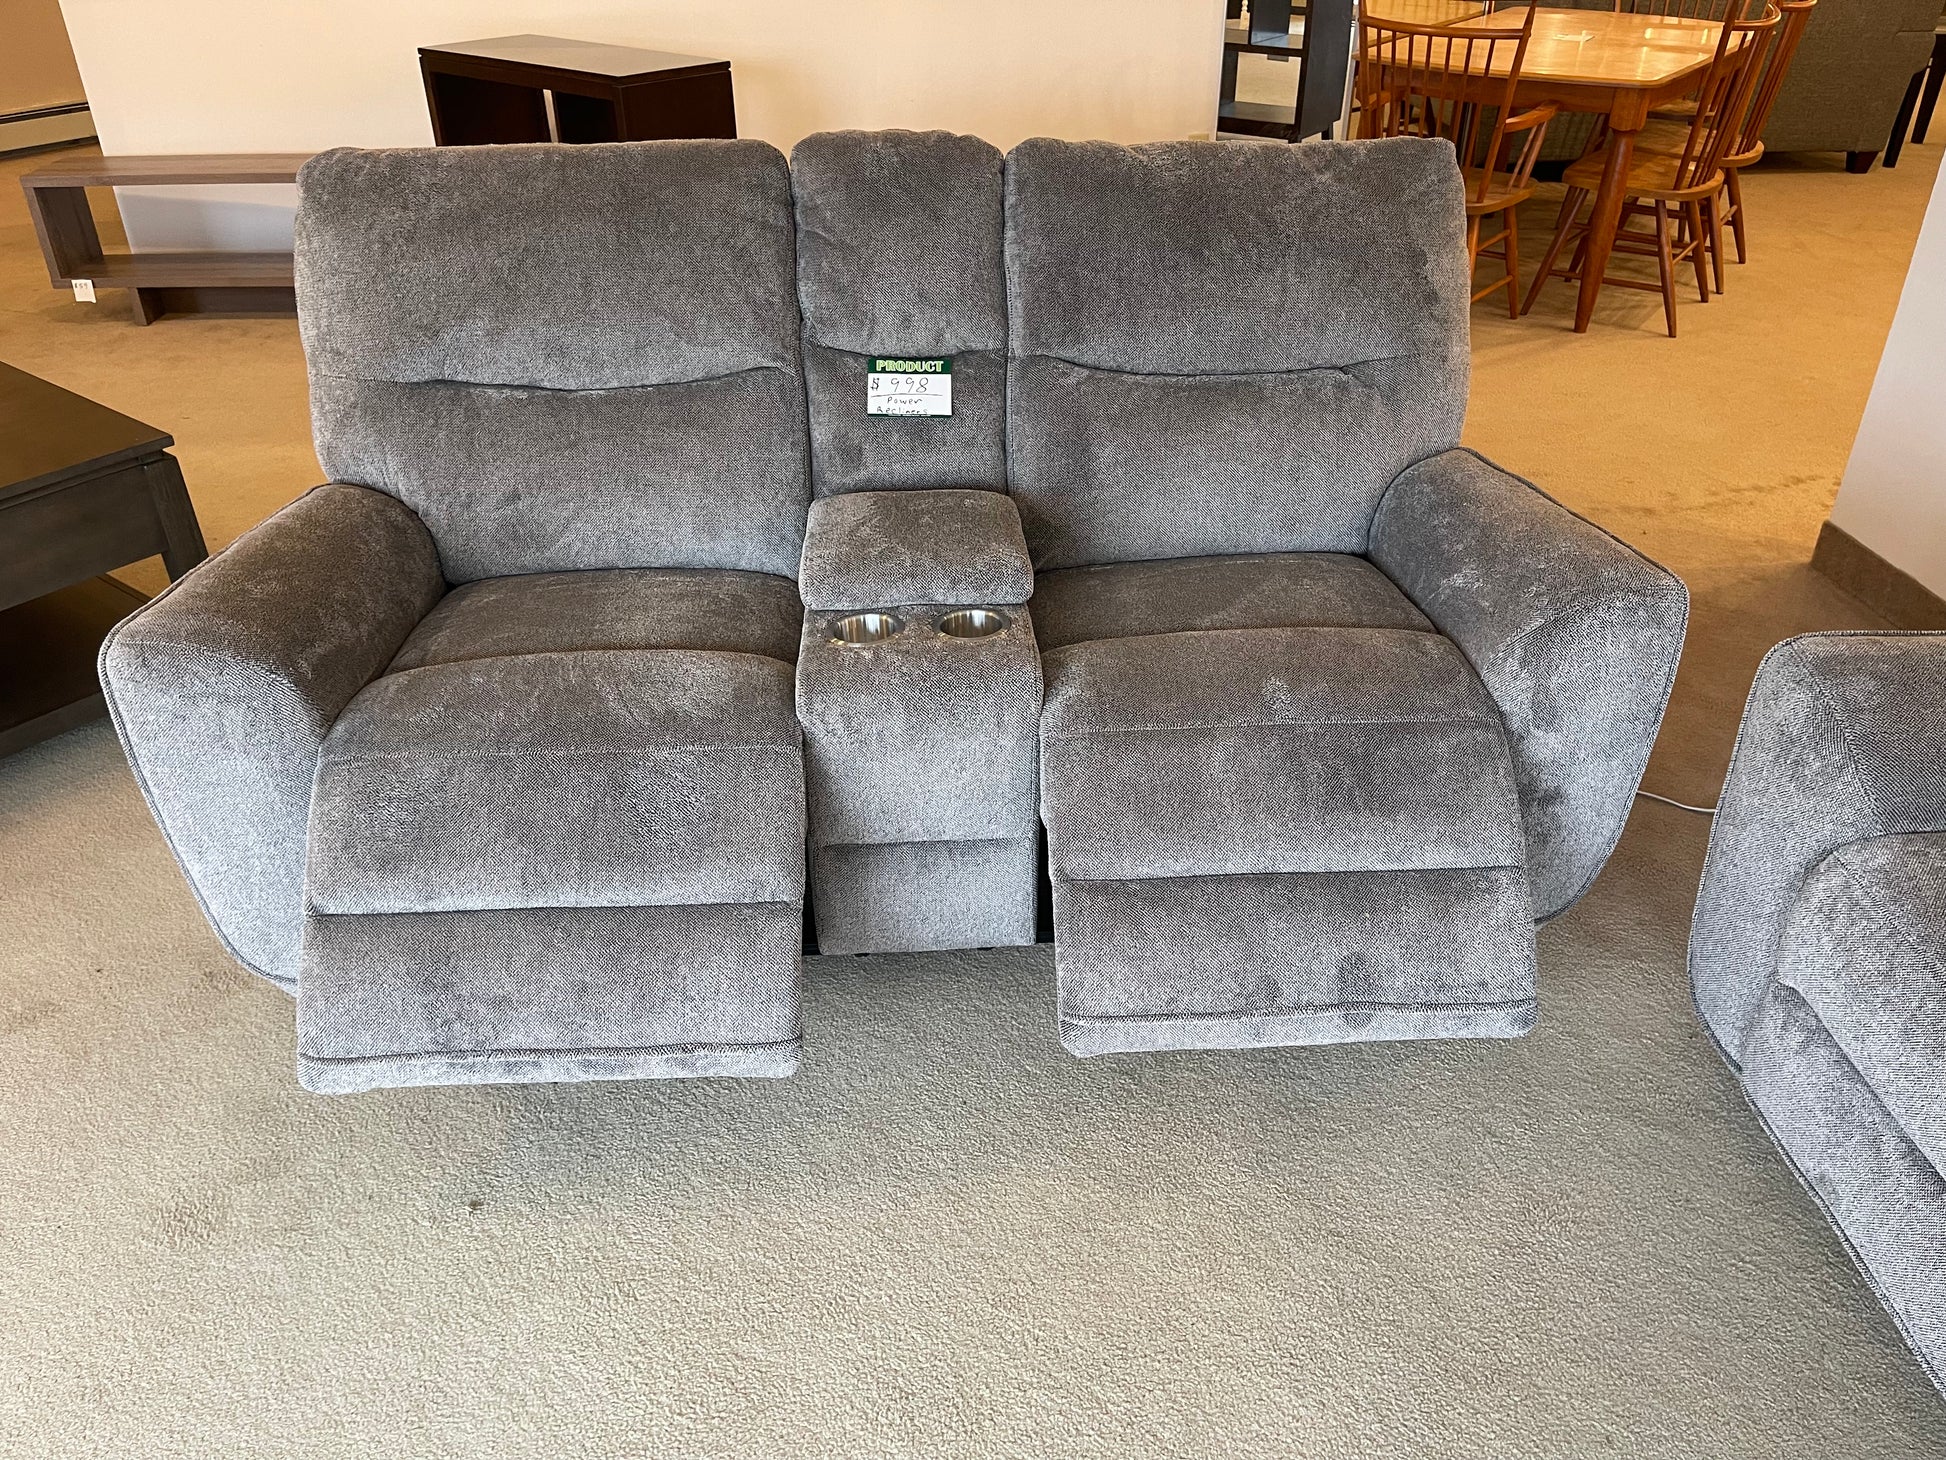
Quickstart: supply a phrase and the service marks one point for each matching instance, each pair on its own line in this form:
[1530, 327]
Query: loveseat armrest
[223, 687]
[945, 546]
[1575, 634]
[1842, 739]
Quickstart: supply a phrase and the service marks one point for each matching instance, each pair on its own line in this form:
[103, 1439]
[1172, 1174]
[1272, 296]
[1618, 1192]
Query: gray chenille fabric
[1818, 950]
[1220, 348]
[868, 549]
[615, 608]
[547, 825]
[562, 780]
[613, 384]
[920, 748]
[1178, 595]
[909, 738]
[899, 254]
[224, 686]
[1842, 741]
[1575, 635]
[1272, 750]
[924, 896]
[1334, 709]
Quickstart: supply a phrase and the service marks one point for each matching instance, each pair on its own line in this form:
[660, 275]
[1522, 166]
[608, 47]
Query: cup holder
[972, 623]
[865, 628]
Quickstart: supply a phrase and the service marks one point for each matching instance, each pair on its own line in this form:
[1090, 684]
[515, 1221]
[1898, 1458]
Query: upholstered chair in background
[487, 749]
[1818, 953]
[1335, 710]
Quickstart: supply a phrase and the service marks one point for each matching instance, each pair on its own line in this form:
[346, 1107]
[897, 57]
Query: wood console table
[83, 489]
[158, 283]
[539, 88]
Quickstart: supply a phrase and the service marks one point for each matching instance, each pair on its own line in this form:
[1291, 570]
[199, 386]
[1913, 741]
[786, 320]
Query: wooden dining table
[1614, 64]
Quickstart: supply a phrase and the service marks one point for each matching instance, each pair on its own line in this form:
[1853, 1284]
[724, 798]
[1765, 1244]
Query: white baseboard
[45, 127]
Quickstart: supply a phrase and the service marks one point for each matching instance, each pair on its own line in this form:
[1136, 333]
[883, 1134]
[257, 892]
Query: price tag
[909, 387]
[84, 291]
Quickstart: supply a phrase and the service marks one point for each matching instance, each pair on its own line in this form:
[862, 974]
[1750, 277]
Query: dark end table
[538, 88]
[82, 489]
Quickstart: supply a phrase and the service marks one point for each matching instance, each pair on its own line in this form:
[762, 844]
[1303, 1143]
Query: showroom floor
[945, 1235]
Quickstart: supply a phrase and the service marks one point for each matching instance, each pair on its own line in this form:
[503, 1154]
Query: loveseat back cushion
[899, 256]
[1227, 347]
[562, 357]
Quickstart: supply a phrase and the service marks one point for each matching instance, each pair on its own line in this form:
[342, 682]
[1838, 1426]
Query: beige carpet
[946, 1236]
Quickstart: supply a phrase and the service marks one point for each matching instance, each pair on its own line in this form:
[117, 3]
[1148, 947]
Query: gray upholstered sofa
[488, 749]
[1818, 953]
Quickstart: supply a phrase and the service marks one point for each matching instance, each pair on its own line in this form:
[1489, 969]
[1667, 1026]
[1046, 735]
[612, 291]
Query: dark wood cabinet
[536, 88]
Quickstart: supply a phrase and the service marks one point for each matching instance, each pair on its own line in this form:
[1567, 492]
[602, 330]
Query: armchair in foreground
[1818, 953]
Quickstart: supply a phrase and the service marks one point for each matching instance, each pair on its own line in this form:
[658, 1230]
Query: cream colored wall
[246, 76]
[36, 65]
[1893, 498]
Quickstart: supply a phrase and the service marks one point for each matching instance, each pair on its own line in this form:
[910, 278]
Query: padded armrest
[223, 687]
[1842, 740]
[877, 549]
[1575, 634]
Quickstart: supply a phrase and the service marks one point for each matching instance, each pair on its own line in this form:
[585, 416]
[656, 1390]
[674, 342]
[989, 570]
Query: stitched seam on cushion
[592, 1052]
[783, 370]
[578, 653]
[447, 750]
[1900, 927]
[1352, 1006]
[1837, 723]
[1480, 720]
[1586, 607]
[1870, 1089]
[1345, 370]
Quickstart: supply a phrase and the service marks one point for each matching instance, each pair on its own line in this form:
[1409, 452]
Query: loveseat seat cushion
[1272, 750]
[590, 779]
[1865, 947]
[614, 608]
[1236, 591]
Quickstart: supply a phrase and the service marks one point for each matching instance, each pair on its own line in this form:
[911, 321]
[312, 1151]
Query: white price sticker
[909, 387]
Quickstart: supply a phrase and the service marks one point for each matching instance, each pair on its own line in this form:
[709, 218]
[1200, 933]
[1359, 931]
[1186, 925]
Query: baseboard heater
[46, 126]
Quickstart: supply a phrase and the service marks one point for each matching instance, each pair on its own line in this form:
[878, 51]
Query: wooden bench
[158, 283]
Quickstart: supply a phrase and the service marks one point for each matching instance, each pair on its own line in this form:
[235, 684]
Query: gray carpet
[944, 1236]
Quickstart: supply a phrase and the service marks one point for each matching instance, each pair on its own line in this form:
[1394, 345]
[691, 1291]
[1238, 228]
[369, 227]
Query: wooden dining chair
[1669, 187]
[1458, 83]
[1746, 148]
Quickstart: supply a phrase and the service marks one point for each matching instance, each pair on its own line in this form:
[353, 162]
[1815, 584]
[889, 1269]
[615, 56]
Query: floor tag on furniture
[84, 291]
[909, 387]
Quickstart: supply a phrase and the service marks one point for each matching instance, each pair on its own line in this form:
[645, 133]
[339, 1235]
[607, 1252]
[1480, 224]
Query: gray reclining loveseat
[1818, 953]
[491, 754]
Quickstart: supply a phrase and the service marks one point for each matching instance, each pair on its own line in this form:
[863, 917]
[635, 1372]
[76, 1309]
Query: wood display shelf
[159, 283]
[538, 88]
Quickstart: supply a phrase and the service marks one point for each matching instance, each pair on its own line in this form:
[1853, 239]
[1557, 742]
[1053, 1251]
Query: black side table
[82, 489]
[538, 88]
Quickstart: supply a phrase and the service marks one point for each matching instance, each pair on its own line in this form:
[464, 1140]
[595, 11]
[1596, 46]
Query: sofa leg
[1860, 161]
[1929, 98]
[1895, 144]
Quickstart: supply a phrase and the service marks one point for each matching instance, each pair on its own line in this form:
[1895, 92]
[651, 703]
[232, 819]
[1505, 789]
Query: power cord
[1679, 805]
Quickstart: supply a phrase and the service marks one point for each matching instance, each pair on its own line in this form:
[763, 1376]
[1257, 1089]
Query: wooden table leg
[1603, 220]
[182, 536]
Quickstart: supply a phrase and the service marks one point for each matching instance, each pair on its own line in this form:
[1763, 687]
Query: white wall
[302, 75]
[1893, 499]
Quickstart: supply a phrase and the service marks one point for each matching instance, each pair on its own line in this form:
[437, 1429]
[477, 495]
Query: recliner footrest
[1238, 962]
